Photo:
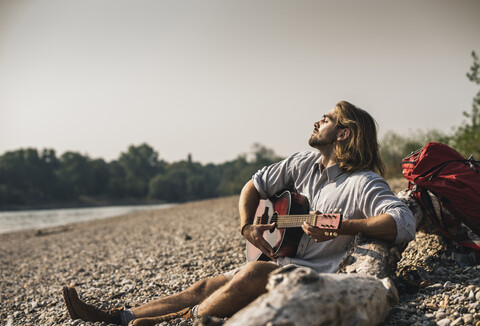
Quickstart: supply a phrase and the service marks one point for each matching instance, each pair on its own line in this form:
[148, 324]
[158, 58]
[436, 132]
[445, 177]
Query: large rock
[300, 296]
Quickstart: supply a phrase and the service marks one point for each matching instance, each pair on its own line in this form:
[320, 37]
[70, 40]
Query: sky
[211, 78]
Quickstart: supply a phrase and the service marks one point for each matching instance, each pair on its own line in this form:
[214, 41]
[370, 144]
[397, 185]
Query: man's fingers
[266, 248]
[256, 238]
[307, 228]
[264, 227]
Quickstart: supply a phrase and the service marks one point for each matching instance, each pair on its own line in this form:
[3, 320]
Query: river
[36, 219]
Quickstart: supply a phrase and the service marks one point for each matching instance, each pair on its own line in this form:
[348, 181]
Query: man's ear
[343, 134]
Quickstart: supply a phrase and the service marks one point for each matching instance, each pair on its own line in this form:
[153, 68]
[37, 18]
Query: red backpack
[448, 187]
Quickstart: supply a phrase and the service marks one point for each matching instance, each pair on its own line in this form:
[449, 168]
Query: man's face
[325, 131]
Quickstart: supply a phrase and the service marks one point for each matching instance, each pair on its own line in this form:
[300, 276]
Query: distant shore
[85, 203]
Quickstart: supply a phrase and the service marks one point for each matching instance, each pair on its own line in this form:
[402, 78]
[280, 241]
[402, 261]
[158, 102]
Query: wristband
[243, 227]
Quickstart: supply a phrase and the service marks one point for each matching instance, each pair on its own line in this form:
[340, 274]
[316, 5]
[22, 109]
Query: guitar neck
[323, 221]
[293, 221]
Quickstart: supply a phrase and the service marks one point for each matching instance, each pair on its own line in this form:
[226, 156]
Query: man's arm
[384, 215]
[247, 206]
[381, 227]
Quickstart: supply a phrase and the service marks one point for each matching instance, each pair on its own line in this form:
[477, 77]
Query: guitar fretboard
[293, 221]
[326, 221]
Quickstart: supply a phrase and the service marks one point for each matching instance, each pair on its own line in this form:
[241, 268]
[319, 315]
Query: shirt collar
[332, 171]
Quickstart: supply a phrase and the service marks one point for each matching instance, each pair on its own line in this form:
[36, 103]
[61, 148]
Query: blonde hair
[360, 151]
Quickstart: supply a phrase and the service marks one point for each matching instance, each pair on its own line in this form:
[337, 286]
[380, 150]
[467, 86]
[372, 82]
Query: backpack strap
[425, 201]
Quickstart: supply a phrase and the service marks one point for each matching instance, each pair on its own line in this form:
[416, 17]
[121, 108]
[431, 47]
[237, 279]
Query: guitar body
[284, 241]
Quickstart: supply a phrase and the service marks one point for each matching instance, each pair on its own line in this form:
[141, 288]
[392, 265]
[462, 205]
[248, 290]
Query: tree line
[29, 177]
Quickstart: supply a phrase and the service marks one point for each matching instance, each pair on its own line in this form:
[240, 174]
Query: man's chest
[330, 195]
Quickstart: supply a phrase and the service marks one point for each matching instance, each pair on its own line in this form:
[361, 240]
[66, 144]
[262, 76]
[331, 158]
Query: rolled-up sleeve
[377, 199]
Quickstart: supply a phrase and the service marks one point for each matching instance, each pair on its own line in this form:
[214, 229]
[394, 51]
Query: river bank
[46, 218]
[138, 257]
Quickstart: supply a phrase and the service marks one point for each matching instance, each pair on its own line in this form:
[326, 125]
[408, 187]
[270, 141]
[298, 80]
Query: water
[35, 219]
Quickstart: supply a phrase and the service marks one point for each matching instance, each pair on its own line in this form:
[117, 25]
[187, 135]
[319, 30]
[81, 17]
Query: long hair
[361, 150]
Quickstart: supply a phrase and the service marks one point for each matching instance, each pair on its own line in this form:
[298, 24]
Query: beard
[320, 141]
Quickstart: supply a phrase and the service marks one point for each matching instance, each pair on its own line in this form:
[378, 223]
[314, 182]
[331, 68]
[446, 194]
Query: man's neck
[328, 157]
[328, 162]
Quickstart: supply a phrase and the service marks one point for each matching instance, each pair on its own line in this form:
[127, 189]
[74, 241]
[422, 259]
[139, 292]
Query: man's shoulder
[366, 176]
[306, 155]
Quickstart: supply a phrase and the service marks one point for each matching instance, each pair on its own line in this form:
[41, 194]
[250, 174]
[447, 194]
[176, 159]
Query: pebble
[433, 287]
[444, 322]
[457, 322]
[468, 319]
[440, 315]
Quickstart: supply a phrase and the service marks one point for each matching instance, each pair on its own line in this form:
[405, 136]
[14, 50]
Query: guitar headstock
[329, 221]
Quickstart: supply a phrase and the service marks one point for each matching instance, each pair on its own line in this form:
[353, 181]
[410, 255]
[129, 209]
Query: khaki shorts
[230, 274]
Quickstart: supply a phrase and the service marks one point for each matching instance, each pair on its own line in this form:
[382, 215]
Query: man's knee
[254, 275]
[206, 286]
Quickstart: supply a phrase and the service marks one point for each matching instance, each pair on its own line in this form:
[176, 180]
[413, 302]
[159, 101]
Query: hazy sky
[211, 78]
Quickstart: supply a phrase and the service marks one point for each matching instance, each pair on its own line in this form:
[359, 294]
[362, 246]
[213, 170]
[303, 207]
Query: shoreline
[13, 221]
[81, 204]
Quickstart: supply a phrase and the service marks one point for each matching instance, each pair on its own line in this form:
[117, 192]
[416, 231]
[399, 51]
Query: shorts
[230, 274]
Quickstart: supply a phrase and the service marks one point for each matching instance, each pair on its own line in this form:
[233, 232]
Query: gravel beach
[139, 257]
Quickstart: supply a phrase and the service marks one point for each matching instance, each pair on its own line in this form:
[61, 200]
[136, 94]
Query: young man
[339, 175]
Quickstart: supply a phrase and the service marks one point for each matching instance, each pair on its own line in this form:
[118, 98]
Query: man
[339, 175]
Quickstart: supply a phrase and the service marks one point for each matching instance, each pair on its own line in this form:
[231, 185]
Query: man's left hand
[316, 233]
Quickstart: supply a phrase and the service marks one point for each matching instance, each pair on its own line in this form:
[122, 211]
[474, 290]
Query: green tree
[27, 177]
[116, 180]
[170, 186]
[75, 175]
[100, 175]
[140, 164]
[466, 138]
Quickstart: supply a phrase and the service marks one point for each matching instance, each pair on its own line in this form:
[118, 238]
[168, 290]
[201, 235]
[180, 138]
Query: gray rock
[444, 322]
[448, 285]
[468, 319]
[433, 287]
[457, 322]
[440, 315]
[471, 295]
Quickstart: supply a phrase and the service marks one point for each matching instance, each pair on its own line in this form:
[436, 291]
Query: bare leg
[245, 287]
[187, 298]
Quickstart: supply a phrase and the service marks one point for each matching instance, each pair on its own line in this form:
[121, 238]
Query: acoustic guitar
[288, 210]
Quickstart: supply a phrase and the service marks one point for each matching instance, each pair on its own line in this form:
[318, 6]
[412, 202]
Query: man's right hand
[254, 234]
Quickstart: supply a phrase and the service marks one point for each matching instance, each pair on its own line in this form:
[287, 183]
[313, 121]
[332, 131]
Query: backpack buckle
[471, 163]
[414, 187]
